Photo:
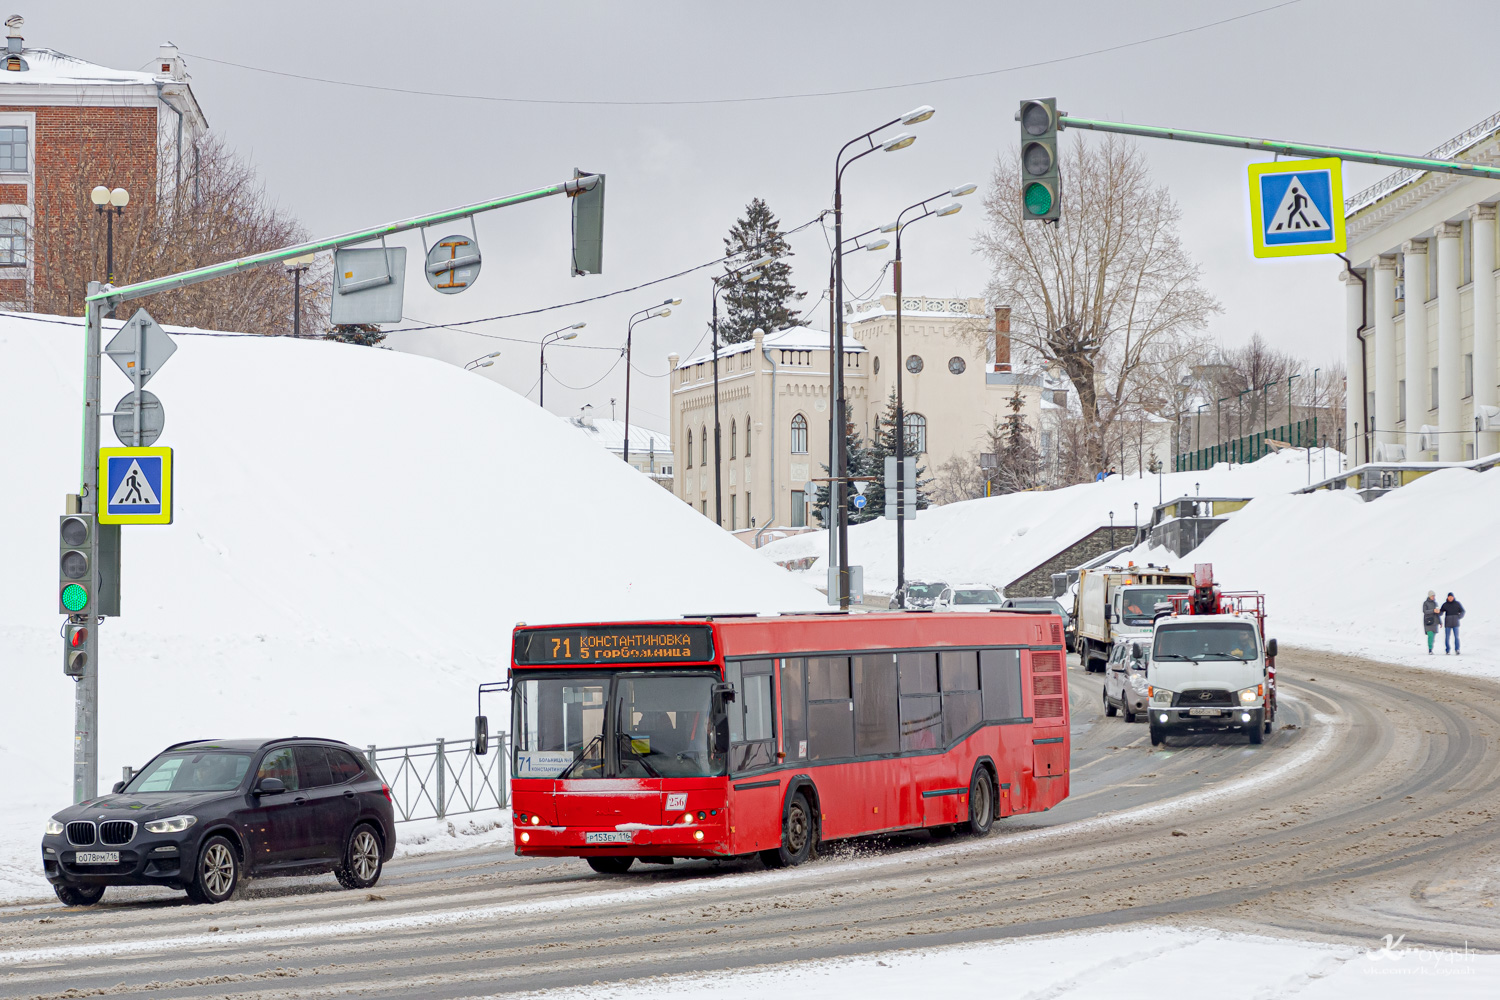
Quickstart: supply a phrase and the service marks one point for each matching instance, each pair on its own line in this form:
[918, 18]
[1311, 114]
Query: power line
[756, 99]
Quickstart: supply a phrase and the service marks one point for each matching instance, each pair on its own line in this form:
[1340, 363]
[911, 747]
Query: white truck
[1209, 665]
[1117, 604]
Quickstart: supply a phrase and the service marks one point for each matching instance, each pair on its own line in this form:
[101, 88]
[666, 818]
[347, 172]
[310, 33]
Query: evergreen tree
[1018, 463]
[364, 334]
[764, 303]
[885, 444]
[862, 462]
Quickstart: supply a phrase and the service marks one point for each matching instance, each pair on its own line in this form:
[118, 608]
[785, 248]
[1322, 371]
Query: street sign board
[368, 283]
[909, 491]
[153, 417]
[135, 485]
[859, 502]
[1297, 208]
[140, 348]
[453, 264]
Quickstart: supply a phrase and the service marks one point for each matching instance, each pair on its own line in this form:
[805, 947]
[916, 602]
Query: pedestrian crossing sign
[1297, 207]
[135, 485]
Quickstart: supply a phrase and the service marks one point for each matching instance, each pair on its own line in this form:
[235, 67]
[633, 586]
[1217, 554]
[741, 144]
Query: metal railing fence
[1250, 447]
[444, 778]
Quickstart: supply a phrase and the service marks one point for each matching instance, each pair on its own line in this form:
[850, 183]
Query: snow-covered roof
[49, 66]
[793, 338]
[611, 435]
[1391, 183]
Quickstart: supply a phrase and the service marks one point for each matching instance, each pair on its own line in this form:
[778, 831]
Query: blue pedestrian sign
[1297, 208]
[135, 485]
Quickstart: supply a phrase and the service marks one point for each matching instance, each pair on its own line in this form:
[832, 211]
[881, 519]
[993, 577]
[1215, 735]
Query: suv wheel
[217, 873]
[74, 894]
[361, 865]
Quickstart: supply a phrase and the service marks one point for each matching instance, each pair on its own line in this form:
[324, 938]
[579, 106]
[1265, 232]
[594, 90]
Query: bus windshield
[631, 724]
[1209, 641]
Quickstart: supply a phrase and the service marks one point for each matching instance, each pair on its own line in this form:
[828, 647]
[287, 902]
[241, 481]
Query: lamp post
[1289, 403]
[639, 316]
[295, 267]
[1111, 531]
[1198, 437]
[1136, 525]
[1241, 422]
[566, 333]
[1219, 422]
[899, 228]
[483, 361]
[751, 272]
[837, 438]
[109, 203]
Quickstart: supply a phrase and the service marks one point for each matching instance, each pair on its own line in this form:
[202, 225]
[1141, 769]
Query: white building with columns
[1422, 342]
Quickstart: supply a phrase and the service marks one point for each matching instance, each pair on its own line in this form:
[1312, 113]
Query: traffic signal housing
[1041, 172]
[78, 646]
[75, 564]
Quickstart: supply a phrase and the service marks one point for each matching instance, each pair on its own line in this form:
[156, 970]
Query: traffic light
[1041, 173]
[75, 564]
[77, 645]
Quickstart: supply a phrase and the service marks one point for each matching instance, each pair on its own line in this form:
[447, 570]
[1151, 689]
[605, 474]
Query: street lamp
[899, 227]
[483, 361]
[749, 271]
[1289, 403]
[639, 316]
[295, 267]
[1198, 437]
[838, 444]
[109, 203]
[566, 333]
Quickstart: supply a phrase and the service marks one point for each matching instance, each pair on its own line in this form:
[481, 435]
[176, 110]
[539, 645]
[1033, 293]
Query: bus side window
[794, 708]
[959, 677]
[751, 734]
[830, 708]
[735, 710]
[921, 708]
[877, 720]
[1000, 683]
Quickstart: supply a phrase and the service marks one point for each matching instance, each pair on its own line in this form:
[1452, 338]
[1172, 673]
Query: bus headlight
[1160, 696]
[1251, 695]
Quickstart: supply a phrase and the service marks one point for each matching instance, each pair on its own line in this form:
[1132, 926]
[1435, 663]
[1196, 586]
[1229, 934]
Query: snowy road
[1374, 816]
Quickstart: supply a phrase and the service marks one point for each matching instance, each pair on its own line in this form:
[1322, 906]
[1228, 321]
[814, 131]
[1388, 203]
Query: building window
[916, 434]
[703, 445]
[749, 512]
[957, 365]
[1432, 389]
[1046, 443]
[799, 509]
[876, 364]
[704, 508]
[1468, 375]
[1432, 271]
[734, 512]
[1467, 236]
[13, 149]
[734, 439]
[1401, 399]
[799, 435]
[747, 435]
[12, 241]
[690, 450]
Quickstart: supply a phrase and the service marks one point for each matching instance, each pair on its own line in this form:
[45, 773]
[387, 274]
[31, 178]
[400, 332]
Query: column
[1386, 406]
[1486, 348]
[1450, 347]
[1354, 421]
[1414, 268]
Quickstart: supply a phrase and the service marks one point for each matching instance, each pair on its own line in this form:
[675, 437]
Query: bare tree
[1109, 293]
[219, 211]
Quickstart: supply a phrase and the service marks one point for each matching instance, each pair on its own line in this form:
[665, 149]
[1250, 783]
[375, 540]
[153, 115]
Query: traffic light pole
[102, 298]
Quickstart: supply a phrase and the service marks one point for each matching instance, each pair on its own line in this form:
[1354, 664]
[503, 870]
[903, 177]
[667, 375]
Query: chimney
[13, 44]
[1002, 338]
[169, 62]
[586, 415]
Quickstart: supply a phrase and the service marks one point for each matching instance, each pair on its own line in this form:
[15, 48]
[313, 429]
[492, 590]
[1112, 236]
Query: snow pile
[1349, 576]
[356, 533]
[997, 539]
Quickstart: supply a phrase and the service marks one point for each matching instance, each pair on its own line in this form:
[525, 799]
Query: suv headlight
[1251, 695]
[1160, 696]
[1138, 683]
[53, 828]
[172, 824]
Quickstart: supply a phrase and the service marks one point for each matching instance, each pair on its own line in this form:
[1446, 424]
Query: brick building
[67, 125]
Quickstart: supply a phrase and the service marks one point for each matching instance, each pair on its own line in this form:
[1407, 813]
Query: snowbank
[1141, 961]
[996, 539]
[356, 533]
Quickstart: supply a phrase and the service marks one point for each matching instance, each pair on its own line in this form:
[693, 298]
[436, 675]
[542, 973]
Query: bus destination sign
[616, 644]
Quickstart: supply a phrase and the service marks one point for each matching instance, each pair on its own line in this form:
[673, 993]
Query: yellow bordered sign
[1297, 207]
[135, 485]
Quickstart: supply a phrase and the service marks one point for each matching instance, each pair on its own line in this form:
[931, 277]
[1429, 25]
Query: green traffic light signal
[74, 597]
[1038, 199]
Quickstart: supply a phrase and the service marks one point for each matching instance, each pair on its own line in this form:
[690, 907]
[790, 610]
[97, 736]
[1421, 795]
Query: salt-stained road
[1373, 816]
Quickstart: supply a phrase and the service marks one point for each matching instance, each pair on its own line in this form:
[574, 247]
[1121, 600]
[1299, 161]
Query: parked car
[1047, 604]
[203, 814]
[1125, 687]
[976, 593]
[922, 596]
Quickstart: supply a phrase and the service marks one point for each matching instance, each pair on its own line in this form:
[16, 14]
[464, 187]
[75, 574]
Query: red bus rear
[734, 736]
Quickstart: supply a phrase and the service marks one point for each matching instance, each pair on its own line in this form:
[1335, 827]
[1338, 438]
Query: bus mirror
[481, 735]
[1271, 648]
[724, 692]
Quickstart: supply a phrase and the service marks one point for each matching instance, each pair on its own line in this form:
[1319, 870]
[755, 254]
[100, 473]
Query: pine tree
[885, 444]
[862, 462]
[1018, 464]
[364, 334]
[764, 303]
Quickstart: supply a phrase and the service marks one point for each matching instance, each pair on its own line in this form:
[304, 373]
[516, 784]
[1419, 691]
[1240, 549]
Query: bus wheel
[611, 866]
[797, 834]
[981, 803]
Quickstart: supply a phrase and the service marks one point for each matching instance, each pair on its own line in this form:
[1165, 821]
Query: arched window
[703, 446]
[690, 450]
[916, 434]
[734, 439]
[747, 443]
[799, 435]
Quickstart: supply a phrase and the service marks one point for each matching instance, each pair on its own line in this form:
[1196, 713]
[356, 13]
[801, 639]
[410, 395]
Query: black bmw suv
[202, 814]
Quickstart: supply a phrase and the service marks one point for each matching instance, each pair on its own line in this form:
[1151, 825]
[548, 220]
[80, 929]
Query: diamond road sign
[140, 348]
[1297, 208]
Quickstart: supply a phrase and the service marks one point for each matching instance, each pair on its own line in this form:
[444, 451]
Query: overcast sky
[1373, 74]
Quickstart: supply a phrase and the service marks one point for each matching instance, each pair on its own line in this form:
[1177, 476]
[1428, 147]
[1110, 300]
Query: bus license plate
[1203, 711]
[97, 858]
[607, 837]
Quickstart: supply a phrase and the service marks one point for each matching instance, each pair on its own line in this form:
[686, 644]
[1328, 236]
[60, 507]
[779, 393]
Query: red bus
[736, 735]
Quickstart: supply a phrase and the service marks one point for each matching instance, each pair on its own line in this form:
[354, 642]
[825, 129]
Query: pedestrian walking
[1430, 619]
[1452, 612]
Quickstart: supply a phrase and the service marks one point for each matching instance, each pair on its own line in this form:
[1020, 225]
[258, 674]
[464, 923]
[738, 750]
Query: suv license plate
[607, 837]
[97, 858]
[1203, 711]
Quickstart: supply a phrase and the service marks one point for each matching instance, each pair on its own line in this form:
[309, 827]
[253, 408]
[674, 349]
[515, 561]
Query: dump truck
[1120, 602]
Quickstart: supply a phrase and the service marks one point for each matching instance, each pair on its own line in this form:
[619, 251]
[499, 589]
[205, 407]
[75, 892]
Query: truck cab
[1209, 672]
[1118, 604]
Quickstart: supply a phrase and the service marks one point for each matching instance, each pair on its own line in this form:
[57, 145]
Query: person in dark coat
[1451, 611]
[1430, 619]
